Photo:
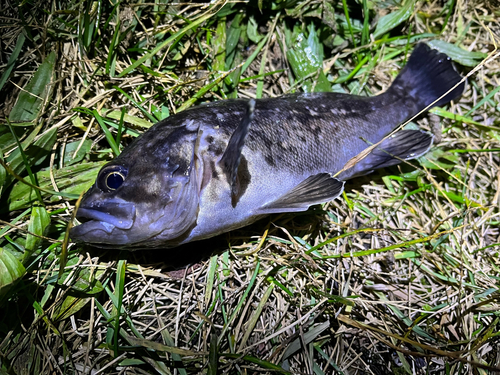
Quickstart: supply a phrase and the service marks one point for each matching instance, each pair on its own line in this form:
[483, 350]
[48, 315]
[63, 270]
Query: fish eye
[111, 178]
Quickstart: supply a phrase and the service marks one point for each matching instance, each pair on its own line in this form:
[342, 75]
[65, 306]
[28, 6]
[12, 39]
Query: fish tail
[428, 76]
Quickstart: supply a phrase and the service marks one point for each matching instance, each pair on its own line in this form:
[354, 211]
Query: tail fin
[428, 75]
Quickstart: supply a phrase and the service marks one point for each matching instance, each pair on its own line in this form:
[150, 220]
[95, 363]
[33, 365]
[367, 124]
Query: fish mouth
[98, 221]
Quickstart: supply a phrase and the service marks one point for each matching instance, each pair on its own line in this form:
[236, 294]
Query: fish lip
[89, 231]
[125, 219]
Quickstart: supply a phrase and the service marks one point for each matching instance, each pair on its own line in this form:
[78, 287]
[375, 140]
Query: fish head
[138, 203]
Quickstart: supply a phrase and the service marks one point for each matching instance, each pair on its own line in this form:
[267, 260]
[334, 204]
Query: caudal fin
[427, 76]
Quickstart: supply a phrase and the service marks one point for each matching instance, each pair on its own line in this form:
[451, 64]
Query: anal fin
[319, 188]
[403, 145]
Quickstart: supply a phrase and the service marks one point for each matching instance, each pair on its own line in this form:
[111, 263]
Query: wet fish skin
[220, 166]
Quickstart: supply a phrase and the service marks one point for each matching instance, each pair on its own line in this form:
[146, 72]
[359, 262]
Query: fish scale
[220, 166]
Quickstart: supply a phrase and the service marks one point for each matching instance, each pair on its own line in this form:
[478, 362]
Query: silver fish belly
[221, 166]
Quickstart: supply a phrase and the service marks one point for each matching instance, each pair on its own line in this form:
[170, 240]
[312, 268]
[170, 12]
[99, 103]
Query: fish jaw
[97, 232]
[104, 222]
[123, 217]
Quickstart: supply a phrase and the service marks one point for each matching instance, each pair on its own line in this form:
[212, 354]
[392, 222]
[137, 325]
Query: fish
[220, 166]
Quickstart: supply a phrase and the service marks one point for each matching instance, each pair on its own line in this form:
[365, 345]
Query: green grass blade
[107, 133]
[111, 61]
[3, 173]
[383, 249]
[255, 316]
[134, 120]
[213, 356]
[27, 165]
[139, 106]
[38, 223]
[12, 59]
[394, 19]
[306, 61]
[486, 99]
[241, 301]
[75, 152]
[349, 76]
[34, 93]
[456, 117]
[460, 55]
[349, 24]
[219, 77]
[168, 340]
[164, 44]
[11, 270]
[329, 359]
[255, 53]
[29, 153]
[71, 181]
[263, 62]
[309, 337]
[280, 285]
[212, 268]
[469, 150]
[120, 127]
[219, 46]
[451, 6]
[119, 290]
[365, 33]
[232, 39]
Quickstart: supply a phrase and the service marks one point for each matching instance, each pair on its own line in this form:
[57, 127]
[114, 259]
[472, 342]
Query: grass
[401, 275]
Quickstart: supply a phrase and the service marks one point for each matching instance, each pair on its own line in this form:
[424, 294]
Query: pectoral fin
[315, 189]
[404, 145]
[232, 156]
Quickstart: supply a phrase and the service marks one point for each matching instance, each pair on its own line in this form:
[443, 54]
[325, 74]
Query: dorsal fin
[232, 156]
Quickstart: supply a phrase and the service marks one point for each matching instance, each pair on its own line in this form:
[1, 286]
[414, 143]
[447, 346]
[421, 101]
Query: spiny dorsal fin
[232, 156]
[319, 188]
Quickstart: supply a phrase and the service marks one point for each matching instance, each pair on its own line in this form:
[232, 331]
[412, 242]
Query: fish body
[220, 166]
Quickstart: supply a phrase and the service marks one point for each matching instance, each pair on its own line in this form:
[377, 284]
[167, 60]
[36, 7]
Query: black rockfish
[221, 166]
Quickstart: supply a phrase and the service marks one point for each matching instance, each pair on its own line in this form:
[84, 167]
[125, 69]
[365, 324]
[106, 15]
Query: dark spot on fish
[243, 179]
[214, 170]
[317, 130]
[270, 160]
[216, 148]
[209, 139]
